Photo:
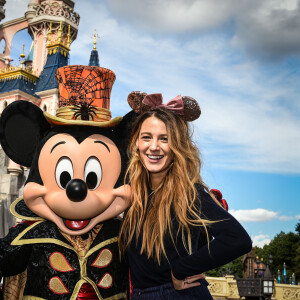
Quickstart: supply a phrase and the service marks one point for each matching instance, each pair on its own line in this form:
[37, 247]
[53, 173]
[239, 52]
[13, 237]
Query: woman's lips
[76, 224]
[154, 158]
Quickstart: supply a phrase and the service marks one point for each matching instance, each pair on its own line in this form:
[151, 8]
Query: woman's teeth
[155, 157]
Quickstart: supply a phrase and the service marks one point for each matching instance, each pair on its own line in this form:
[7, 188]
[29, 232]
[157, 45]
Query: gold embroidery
[14, 286]
[57, 286]
[18, 241]
[17, 215]
[101, 245]
[103, 259]
[59, 263]
[106, 281]
[80, 245]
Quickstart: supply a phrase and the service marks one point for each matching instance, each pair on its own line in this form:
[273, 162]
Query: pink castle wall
[7, 33]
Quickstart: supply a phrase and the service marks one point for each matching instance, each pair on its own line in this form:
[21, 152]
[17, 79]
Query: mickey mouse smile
[76, 224]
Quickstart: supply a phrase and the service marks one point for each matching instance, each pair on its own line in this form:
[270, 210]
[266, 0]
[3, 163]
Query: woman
[171, 206]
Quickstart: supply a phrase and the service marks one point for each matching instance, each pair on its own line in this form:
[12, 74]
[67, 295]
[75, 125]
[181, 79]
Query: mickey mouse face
[78, 179]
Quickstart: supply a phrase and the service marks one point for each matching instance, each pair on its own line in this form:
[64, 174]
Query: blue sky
[240, 59]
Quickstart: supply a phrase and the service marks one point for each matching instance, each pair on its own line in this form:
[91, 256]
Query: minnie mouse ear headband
[185, 107]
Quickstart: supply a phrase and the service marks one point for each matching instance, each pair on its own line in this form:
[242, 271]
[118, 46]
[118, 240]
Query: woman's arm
[230, 241]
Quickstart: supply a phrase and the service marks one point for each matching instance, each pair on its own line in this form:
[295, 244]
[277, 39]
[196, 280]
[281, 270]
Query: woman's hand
[186, 283]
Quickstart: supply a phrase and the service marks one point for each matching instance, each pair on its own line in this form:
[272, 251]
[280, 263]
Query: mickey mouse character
[63, 249]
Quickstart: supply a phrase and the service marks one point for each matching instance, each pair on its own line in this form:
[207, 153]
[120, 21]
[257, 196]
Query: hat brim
[56, 121]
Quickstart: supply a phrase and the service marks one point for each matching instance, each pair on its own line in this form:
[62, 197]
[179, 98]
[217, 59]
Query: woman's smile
[154, 158]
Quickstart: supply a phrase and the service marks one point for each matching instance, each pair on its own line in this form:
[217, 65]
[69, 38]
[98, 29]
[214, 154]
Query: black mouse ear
[123, 130]
[22, 125]
[124, 127]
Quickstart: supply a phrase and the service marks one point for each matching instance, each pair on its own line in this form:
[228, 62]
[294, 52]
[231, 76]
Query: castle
[53, 26]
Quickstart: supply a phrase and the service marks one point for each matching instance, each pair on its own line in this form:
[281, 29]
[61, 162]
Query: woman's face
[153, 146]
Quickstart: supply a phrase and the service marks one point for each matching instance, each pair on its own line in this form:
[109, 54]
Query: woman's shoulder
[202, 193]
[202, 198]
[205, 201]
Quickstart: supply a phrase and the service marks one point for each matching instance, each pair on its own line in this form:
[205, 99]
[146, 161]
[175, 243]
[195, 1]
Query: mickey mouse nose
[76, 190]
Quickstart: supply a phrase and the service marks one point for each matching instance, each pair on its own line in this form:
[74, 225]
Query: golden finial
[49, 34]
[68, 42]
[59, 32]
[95, 39]
[22, 55]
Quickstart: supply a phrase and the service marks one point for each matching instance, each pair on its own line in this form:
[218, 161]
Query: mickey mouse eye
[92, 173]
[63, 172]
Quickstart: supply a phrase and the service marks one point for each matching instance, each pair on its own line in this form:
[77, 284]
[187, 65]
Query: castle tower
[42, 13]
[57, 56]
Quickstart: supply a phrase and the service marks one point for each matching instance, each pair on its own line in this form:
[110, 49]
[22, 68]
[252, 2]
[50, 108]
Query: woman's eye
[146, 137]
[165, 139]
[63, 172]
[92, 173]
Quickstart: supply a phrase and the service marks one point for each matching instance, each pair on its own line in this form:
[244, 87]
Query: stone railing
[287, 292]
[226, 288]
[223, 287]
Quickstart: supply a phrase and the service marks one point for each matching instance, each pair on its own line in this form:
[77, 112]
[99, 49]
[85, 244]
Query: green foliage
[234, 268]
[285, 247]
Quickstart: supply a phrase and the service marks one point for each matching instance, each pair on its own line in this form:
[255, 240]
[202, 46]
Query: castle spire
[94, 58]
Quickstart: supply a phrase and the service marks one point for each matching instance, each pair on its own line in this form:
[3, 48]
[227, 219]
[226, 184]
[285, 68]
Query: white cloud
[259, 215]
[270, 28]
[287, 218]
[254, 215]
[175, 16]
[261, 240]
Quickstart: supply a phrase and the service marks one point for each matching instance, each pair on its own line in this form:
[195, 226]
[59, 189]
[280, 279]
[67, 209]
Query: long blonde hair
[176, 193]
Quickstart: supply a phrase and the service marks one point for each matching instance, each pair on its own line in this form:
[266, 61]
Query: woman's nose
[154, 145]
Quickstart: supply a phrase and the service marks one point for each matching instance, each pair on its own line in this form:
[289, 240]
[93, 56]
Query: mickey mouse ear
[192, 109]
[22, 126]
[135, 101]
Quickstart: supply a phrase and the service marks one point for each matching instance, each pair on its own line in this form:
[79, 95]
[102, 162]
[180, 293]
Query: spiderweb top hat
[84, 97]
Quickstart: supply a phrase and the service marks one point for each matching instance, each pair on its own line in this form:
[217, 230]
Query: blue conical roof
[94, 59]
[56, 58]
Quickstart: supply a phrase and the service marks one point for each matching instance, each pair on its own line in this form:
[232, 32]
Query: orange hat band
[73, 113]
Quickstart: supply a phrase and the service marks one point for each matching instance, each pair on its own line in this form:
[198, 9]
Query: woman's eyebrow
[100, 142]
[59, 143]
